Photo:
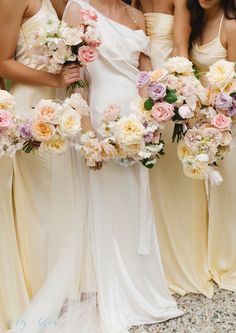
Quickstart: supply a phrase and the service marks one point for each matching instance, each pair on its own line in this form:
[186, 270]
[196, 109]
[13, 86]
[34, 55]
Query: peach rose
[42, 131]
[162, 111]
[222, 122]
[47, 110]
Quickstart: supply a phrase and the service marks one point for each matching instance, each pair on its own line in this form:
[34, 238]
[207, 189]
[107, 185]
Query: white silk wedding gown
[107, 274]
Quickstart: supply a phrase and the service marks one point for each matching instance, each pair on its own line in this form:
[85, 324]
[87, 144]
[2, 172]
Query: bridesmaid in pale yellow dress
[23, 237]
[216, 40]
[180, 203]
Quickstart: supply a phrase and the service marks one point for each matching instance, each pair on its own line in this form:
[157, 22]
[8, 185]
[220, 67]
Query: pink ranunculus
[162, 111]
[221, 122]
[112, 112]
[5, 119]
[88, 15]
[87, 54]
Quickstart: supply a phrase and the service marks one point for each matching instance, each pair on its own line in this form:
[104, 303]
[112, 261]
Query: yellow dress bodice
[160, 30]
[27, 95]
[203, 56]
[24, 51]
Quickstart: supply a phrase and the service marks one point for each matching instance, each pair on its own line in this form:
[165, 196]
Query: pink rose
[221, 122]
[88, 15]
[5, 119]
[87, 54]
[162, 111]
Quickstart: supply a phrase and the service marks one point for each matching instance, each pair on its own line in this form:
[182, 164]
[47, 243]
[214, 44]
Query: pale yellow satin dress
[13, 292]
[32, 172]
[222, 208]
[180, 203]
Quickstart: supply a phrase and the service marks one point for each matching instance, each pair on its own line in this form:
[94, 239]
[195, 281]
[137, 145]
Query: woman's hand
[69, 74]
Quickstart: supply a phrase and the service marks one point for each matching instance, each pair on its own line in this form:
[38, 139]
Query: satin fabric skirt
[180, 206]
[222, 224]
[13, 291]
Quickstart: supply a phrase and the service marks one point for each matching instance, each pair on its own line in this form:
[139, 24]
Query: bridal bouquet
[210, 139]
[58, 44]
[126, 139]
[177, 87]
[54, 124]
[12, 136]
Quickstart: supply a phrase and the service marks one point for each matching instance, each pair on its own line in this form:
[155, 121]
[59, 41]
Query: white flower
[78, 103]
[202, 158]
[7, 101]
[195, 169]
[185, 112]
[129, 130]
[52, 25]
[72, 36]
[179, 65]
[70, 123]
[221, 74]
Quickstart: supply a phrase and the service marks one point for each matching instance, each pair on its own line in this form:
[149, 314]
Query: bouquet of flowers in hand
[183, 79]
[12, 136]
[54, 124]
[134, 137]
[210, 139]
[57, 44]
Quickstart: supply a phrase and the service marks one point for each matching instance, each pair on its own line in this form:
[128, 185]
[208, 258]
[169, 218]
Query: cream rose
[70, 123]
[158, 75]
[7, 101]
[195, 169]
[179, 65]
[42, 131]
[56, 145]
[183, 151]
[129, 131]
[221, 74]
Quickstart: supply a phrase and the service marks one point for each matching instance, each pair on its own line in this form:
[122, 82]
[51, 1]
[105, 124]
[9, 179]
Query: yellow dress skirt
[180, 203]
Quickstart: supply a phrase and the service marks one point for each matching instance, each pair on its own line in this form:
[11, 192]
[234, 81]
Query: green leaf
[148, 104]
[170, 96]
[196, 73]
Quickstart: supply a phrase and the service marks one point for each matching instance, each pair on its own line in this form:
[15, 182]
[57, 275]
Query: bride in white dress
[108, 274]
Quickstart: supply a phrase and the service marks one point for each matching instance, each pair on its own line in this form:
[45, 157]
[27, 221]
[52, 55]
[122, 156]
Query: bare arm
[181, 29]
[144, 60]
[11, 16]
[231, 42]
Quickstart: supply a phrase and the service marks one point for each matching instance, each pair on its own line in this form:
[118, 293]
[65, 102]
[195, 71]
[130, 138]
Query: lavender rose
[232, 110]
[223, 101]
[157, 91]
[25, 131]
[142, 79]
[148, 137]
